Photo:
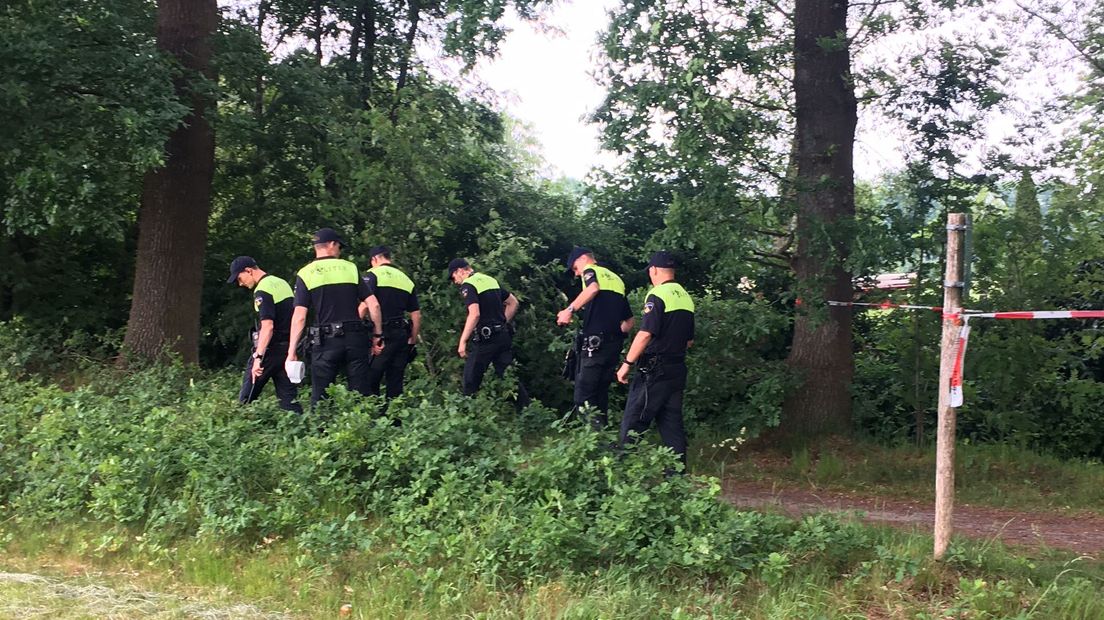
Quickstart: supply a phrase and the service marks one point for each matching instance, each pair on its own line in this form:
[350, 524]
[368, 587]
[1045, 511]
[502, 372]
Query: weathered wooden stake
[945, 436]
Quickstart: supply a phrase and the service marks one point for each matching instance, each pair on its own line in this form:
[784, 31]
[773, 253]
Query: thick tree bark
[825, 191]
[176, 199]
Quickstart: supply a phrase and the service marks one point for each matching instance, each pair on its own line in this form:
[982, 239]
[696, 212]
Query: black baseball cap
[454, 264]
[379, 249]
[663, 259]
[239, 265]
[576, 252]
[326, 235]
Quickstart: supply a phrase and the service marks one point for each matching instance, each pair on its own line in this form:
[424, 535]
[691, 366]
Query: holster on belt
[396, 329]
[486, 332]
[651, 367]
[590, 344]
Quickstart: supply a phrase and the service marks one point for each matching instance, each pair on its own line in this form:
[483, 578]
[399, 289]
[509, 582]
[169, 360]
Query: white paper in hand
[295, 371]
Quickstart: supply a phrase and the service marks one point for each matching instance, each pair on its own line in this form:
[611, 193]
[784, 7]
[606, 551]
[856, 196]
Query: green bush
[1026, 383]
[439, 476]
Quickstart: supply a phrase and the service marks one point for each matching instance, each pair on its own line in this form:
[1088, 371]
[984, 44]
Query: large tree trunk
[825, 192]
[176, 199]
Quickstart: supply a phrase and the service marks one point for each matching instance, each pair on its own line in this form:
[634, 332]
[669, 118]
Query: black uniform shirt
[272, 299]
[394, 291]
[332, 289]
[604, 313]
[669, 318]
[485, 291]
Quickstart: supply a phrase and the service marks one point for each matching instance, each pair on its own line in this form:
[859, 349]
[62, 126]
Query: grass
[77, 576]
[24, 595]
[987, 475]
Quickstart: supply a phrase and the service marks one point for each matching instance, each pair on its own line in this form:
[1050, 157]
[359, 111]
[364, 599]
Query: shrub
[434, 475]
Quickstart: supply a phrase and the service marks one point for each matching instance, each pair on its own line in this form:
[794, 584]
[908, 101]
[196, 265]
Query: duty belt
[396, 324]
[334, 330]
[485, 332]
[591, 343]
[650, 363]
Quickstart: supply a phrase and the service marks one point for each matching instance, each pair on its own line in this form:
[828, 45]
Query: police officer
[333, 291]
[606, 318]
[394, 294]
[659, 354]
[490, 309]
[273, 304]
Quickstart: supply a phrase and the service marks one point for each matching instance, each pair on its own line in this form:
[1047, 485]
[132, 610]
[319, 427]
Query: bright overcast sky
[542, 76]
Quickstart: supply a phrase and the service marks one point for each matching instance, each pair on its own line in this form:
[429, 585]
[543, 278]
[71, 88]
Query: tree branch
[767, 263]
[1057, 30]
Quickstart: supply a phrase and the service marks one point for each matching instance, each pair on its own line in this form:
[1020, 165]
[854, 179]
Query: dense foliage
[339, 125]
[165, 454]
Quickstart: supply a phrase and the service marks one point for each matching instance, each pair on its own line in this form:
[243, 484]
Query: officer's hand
[412, 340]
[256, 367]
[563, 317]
[291, 356]
[462, 350]
[377, 346]
[623, 373]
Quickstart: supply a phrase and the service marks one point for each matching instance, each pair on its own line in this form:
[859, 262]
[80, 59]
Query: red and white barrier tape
[960, 359]
[964, 336]
[889, 305]
[1042, 314]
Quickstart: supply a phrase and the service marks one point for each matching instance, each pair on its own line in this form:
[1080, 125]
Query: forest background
[325, 114]
[147, 143]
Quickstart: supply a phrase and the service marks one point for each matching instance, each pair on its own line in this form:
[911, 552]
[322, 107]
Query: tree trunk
[414, 13]
[368, 54]
[826, 116]
[176, 199]
[259, 118]
[354, 42]
[317, 33]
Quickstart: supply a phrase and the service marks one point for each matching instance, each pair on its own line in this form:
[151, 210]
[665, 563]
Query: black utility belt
[486, 332]
[396, 324]
[334, 330]
[593, 342]
[649, 363]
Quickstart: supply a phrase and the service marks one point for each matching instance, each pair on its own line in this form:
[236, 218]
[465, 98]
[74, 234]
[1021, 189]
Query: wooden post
[945, 436]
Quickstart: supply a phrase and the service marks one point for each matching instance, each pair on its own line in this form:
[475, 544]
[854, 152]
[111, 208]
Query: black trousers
[596, 371]
[391, 363]
[272, 368]
[352, 350]
[497, 350]
[657, 397]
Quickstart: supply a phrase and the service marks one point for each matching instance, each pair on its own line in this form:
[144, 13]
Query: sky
[543, 77]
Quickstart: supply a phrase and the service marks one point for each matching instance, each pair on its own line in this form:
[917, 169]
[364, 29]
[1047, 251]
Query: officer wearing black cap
[606, 318]
[394, 292]
[272, 300]
[659, 354]
[490, 309]
[337, 297]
